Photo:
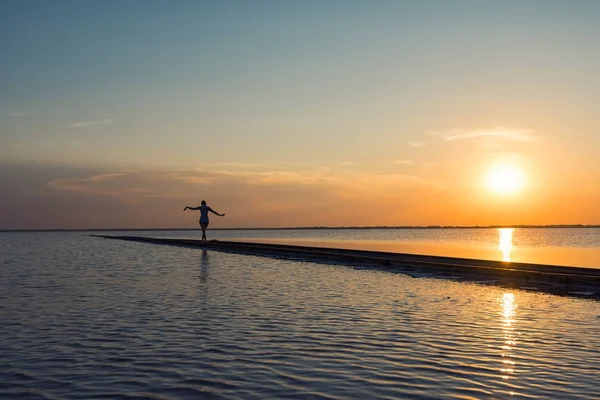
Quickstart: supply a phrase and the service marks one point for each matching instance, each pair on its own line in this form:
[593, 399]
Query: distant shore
[555, 226]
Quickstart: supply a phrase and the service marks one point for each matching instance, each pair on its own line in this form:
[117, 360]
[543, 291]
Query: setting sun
[505, 178]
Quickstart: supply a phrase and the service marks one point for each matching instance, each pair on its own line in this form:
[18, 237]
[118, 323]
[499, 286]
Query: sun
[505, 178]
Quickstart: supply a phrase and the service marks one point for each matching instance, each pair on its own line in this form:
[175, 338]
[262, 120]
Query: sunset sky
[117, 114]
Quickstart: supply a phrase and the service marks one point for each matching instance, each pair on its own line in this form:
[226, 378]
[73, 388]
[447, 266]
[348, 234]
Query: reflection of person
[204, 210]
[204, 261]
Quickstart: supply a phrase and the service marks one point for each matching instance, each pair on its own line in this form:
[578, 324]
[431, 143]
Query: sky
[118, 114]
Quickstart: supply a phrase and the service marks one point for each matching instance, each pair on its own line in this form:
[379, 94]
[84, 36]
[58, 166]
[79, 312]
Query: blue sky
[331, 90]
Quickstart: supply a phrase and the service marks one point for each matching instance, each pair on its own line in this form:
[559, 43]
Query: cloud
[346, 164]
[50, 196]
[101, 184]
[44, 197]
[417, 144]
[106, 177]
[20, 114]
[91, 123]
[509, 134]
[245, 166]
[241, 165]
[276, 177]
[263, 192]
[402, 162]
[120, 183]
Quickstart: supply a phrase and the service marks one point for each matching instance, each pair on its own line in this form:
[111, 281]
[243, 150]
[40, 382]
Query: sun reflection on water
[509, 307]
[505, 245]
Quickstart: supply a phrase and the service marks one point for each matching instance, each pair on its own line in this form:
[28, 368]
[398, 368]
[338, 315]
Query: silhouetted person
[204, 209]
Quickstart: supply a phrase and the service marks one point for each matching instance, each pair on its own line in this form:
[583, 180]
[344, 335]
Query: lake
[579, 247]
[86, 318]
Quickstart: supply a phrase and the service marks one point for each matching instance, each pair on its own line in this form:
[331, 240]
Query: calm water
[578, 247]
[86, 318]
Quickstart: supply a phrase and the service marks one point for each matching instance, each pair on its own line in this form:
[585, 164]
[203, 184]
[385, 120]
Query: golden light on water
[505, 178]
[509, 307]
[505, 244]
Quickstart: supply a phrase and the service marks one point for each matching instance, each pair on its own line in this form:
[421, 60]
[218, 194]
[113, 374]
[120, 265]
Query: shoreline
[553, 279]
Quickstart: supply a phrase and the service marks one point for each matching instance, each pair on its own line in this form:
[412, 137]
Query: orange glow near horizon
[449, 194]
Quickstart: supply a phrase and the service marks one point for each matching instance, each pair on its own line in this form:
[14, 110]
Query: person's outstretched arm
[191, 208]
[214, 212]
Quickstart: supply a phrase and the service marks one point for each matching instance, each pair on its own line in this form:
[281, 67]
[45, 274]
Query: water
[522, 237]
[578, 247]
[86, 318]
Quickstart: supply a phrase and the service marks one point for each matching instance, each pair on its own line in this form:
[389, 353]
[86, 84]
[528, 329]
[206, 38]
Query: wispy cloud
[106, 177]
[251, 165]
[402, 162]
[20, 114]
[417, 144]
[309, 197]
[109, 184]
[346, 164]
[240, 165]
[511, 134]
[175, 184]
[82, 124]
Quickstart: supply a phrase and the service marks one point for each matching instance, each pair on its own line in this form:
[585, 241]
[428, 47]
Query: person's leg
[204, 226]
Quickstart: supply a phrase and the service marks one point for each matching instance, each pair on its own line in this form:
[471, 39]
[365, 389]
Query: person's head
[203, 202]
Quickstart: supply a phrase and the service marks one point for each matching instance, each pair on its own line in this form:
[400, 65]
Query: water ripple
[89, 319]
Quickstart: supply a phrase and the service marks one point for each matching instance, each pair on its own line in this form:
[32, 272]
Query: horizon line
[311, 227]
